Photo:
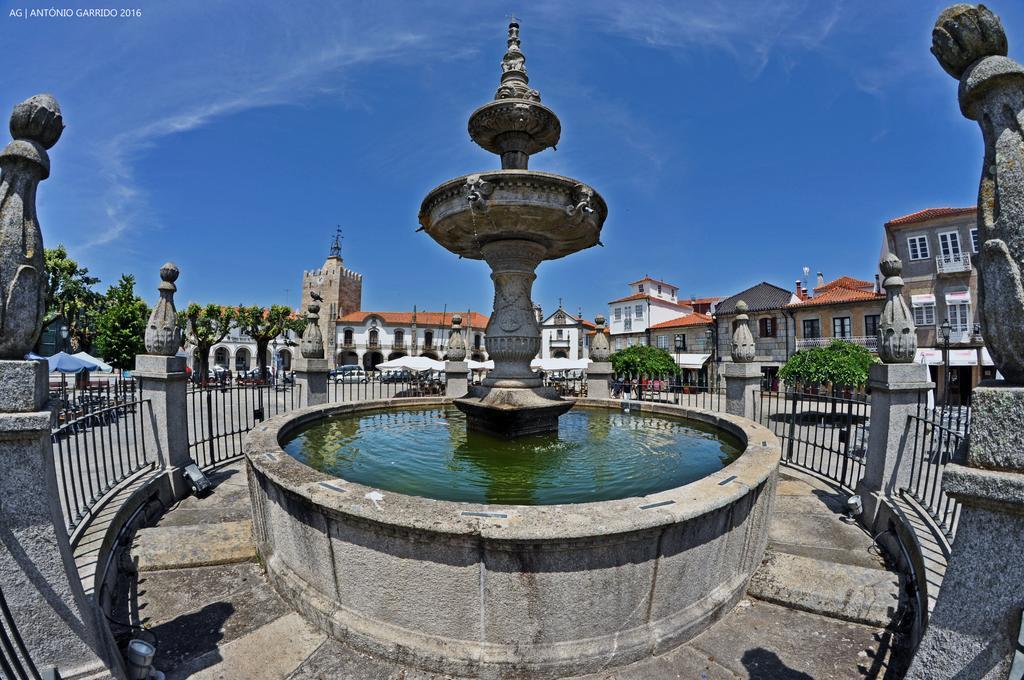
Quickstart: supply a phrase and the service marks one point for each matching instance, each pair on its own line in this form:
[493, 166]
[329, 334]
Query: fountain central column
[513, 336]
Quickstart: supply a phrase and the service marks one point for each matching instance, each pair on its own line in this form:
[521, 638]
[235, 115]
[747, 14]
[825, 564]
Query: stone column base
[599, 373]
[973, 632]
[311, 379]
[457, 384]
[741, 383]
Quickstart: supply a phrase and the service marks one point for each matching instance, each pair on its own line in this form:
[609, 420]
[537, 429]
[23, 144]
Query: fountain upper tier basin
[559, 213]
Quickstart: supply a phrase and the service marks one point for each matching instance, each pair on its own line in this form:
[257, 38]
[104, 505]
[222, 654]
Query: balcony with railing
[868, 341]
[956, 263]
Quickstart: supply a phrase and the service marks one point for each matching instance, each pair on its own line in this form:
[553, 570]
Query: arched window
[374, 336]
[399, 337]
[428, 338]
[347, 336]
[476, 341]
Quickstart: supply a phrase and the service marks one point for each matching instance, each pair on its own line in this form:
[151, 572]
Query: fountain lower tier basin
[514, 411]
[497, 590]
[559, 213]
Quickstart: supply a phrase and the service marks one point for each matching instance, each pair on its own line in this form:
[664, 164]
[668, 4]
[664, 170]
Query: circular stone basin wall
[496, 590]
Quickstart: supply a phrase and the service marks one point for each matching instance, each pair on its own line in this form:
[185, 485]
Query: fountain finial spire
[514, 81]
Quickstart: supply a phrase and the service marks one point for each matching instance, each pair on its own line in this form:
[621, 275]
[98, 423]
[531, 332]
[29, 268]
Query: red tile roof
[837, 295]
[472, 319]
[929, 214]
[704, 300]
[648, 278]
[642, 296]
[846, 282]
[687, 320]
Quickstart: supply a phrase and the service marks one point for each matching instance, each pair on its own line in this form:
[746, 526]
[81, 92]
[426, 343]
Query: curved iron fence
[96, 453]
[15, 661]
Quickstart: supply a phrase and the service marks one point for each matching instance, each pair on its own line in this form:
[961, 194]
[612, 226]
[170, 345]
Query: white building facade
[564, 336]
[649, 303]
[368, 338]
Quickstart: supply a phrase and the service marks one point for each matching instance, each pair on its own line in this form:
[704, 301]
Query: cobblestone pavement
[222, 619]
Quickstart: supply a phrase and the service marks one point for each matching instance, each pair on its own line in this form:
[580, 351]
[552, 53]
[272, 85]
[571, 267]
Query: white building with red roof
[650, 302]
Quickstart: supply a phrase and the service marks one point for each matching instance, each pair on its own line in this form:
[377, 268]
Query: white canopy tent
[103, 366]
[480, 365]
[694, 361]
[560, 364]
[418, 364]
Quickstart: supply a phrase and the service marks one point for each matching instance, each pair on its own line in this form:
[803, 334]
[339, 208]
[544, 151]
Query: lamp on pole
[709, 341]
[680, 345]
[273, 358]
[945, 329]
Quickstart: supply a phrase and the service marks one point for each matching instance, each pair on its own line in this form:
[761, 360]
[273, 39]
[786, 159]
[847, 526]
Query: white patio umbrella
[417, 364]
[480, 365]
[560, 364]
[103, 366]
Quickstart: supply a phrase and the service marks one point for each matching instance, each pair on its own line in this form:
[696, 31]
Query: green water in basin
[597, 455]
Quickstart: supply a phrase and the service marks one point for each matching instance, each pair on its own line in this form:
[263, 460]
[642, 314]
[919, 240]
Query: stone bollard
[311, 368]
[38, 576]
[456, 369]
[599, 372]
[742, 376]
[976, 628]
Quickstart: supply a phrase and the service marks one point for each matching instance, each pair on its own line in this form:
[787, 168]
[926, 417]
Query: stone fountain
[513, 219]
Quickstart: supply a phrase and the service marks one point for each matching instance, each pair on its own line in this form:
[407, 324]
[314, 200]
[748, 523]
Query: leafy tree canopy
[840, 364]
[70, 293]
[121, 326]
[263, 325]
[205, 326]
[643, 360]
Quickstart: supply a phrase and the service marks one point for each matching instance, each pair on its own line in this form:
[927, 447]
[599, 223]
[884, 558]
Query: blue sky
[733, 141]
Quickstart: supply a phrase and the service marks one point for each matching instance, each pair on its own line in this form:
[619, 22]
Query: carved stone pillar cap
[891, 267]
[456, 320]
[742, 307]
[965, 34]
[599, 320]
[168, 275]
[38, 118]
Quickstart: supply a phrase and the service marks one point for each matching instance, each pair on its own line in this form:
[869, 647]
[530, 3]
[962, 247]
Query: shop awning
[959, 297]
[928, 355]
[986, 358]
[921, 300]
[695, 361]
[963, 357]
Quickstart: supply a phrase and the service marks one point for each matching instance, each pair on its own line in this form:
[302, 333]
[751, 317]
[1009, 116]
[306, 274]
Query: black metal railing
[933, 436]
[73, 400]
[96, 453]
[347, 386]
[219, 416]
[822, 432]
[708, 395]
[15, 660]
[566, 384]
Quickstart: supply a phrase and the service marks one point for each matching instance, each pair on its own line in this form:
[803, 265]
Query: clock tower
[341, 290]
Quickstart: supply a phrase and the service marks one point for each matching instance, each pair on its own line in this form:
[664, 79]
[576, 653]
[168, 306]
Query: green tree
[263, 325]
[839, 364]
[643, 360]
[70, 293]
[121, 326]
[204, 328]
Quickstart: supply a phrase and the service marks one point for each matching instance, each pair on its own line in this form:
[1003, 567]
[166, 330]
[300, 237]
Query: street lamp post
[709, 341]
[678, 343]
[945, 329]
[273, 359]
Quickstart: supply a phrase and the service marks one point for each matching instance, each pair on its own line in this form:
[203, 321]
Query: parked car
[396, 375]
[356, 375]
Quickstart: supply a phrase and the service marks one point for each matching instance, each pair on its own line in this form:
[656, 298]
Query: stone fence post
[898, 387]
[456, 369]
[38, 576]
[162, 379]
[977, 627]
[599, 371]
[310, 367]
[743, 375]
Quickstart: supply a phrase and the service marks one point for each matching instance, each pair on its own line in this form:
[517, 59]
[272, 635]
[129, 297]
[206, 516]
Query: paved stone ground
[222, 620]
